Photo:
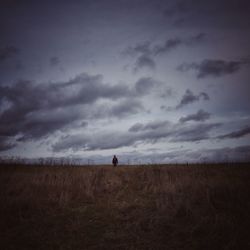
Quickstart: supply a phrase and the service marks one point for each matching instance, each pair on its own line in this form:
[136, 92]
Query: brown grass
[129, 207]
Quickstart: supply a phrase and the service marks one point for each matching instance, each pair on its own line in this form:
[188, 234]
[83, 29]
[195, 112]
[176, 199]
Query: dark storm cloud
[189, 97]
[214, 68]
[8, 52]
[201, 115]
[216, 14]
[36, 110]
[236, 134]
[43, 124]
[32, 111]
[138, 133]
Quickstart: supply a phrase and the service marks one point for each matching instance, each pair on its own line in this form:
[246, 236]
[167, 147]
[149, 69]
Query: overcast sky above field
[150, 81]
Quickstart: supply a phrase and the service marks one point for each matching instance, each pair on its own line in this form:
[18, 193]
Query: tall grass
[129, 207]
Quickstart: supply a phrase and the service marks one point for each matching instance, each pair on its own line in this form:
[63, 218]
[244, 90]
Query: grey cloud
[136, 127]
[173, 43]
[146, 51]
[140, 48]
[149, 126]
[138, 133]
[236, 134]
[149, 85]
[32, 111]
[35, 110]
[156, 125]
[170, 44]
[87, 89]
[194, 133]
[205, 96]
[145, 84]
[149, 49]
[42, 124]
[189, 97]
[214, 68]
[126, 107]
[8, 52]
[201, 115]
[144, 61]
[106, 140]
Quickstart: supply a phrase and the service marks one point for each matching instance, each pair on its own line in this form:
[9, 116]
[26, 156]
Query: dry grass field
[128, 207]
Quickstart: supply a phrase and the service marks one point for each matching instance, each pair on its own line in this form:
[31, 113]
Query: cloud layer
[138, 133]
[35, 110]
[151, 105]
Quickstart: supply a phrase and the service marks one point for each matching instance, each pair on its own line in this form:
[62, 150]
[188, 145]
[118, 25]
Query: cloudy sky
[150, 81]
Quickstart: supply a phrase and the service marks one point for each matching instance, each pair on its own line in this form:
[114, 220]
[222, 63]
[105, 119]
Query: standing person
[115, 161]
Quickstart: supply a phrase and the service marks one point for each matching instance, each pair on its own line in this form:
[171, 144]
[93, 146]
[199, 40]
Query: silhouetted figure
[115, 161]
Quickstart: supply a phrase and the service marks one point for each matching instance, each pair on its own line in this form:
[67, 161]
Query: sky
[150, 81]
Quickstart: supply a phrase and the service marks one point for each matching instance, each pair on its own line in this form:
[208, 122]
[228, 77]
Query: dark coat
[115, 161]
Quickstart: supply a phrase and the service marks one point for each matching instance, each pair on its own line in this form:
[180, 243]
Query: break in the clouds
[168, 80]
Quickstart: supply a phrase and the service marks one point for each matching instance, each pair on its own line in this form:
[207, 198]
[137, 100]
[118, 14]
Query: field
[128, 207]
